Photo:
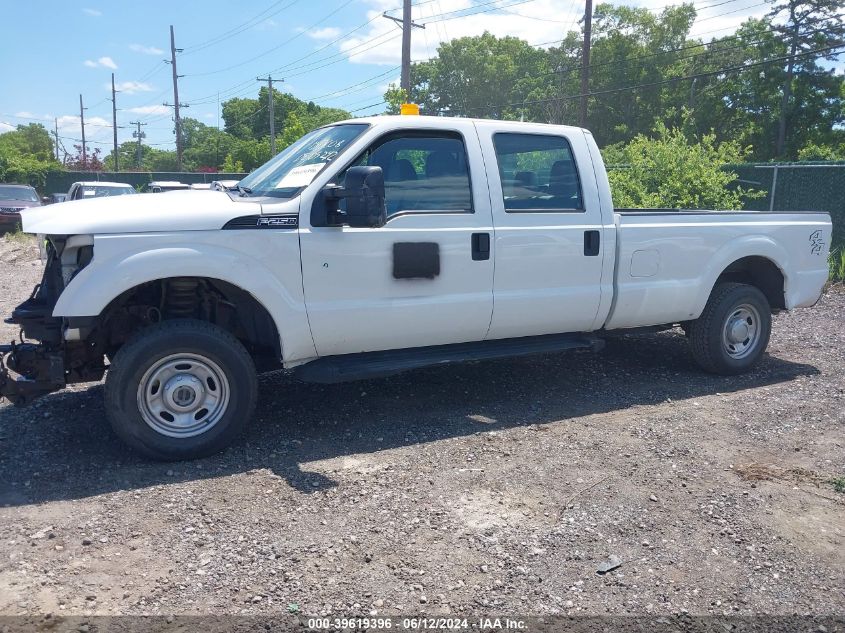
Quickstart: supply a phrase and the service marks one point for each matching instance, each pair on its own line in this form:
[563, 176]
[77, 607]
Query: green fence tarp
[798, 187]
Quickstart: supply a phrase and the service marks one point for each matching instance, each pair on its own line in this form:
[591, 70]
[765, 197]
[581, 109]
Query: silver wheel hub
[741, 332]
[183, 395]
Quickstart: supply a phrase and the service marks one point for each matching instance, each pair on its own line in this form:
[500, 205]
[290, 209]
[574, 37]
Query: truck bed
[669, 259]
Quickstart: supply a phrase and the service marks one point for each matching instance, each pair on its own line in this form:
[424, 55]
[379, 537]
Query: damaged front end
[49, 364]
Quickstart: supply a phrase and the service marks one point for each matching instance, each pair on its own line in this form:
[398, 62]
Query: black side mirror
[363, 191]
[45, 200]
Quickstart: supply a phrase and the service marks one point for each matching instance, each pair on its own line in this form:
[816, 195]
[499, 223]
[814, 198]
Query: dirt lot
[489, 487]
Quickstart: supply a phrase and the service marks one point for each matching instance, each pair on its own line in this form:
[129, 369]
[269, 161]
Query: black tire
[707, 335]
[151, 346]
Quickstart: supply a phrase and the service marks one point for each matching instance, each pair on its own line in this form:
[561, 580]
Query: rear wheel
[733, 331]
[181, 390]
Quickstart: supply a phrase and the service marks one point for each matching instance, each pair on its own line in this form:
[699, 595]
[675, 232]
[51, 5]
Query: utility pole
[56, 133]
[269, 81]
[139, 135]
[176, 104]
[585, 61]
[82, 123]
[407, 24]
[114, 122]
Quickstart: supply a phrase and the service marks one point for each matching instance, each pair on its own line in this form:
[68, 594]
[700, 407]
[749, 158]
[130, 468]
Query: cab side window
[538, 173]
[423, 172]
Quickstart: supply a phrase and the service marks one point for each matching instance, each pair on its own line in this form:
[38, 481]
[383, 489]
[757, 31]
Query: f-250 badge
[816, 242]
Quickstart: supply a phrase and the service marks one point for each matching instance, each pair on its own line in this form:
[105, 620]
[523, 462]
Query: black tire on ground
[202, 343]
[712, 346]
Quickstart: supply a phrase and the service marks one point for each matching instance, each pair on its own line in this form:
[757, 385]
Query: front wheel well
[206, 299]
[760, 272]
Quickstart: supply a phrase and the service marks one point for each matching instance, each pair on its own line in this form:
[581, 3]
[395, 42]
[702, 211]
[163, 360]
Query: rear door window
[538, 173]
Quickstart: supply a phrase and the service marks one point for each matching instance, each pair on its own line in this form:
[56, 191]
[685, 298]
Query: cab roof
[434, 122]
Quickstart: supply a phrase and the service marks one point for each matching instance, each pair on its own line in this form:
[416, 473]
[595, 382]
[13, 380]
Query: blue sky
[336, 52]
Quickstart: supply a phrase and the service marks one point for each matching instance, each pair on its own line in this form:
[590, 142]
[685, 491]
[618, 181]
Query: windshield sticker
[300, 176]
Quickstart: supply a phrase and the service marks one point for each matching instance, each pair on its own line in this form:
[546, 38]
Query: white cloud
[6, 127]
[150, 109]
[94, 13]
[326, 33]
[145, 50]
[266, 25]
[104, 61]
[536, 22]
[26, 114]
[131, 87]
[107, 62]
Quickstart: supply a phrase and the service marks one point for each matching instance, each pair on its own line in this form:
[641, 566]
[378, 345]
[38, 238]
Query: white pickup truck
[378, 245]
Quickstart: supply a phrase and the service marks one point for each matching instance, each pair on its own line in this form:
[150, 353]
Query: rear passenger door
[548, 232]
[425, 277]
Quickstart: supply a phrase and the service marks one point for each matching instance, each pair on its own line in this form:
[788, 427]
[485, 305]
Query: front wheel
[733, 331]
[181, 390]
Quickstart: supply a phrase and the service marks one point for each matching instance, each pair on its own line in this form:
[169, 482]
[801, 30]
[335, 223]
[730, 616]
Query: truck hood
[142, 213]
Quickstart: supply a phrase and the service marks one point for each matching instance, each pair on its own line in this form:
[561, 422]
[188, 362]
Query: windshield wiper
[244, 191]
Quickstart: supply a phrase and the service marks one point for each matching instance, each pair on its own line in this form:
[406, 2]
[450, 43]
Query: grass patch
[18, 237]
[836, 261]
[756, 471]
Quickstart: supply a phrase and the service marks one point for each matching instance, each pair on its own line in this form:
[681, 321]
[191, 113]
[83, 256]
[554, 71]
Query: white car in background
[163, 186]
[98, 189]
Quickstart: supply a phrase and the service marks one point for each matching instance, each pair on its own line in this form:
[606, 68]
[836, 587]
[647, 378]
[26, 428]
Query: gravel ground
[488, 487]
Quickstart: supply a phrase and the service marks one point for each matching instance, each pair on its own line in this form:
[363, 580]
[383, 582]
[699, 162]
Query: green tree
[482, 76]
[232, 166]
[811, 151]
[31, 140]
[395, 97]
[674, 171]
[810, 25]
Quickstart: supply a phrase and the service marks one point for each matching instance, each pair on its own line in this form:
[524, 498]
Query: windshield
[297, 165]
[90, 191]
[18, 193]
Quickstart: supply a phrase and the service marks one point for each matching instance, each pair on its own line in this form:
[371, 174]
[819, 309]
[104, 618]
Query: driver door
[426, 276]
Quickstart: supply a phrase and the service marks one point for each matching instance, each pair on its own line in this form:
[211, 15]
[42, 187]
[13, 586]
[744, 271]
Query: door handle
[592, 243]
[480, 246]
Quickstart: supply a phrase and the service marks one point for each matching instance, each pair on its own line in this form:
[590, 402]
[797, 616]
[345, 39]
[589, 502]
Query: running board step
[335, 369]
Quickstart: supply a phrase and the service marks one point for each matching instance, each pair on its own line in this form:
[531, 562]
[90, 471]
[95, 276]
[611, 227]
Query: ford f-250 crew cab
[377, 245]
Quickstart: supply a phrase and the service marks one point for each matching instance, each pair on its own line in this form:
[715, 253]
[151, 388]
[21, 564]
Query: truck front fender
[268, 269]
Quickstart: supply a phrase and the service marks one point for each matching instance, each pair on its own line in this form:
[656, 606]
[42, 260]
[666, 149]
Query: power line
[244, 26]
[278, 46]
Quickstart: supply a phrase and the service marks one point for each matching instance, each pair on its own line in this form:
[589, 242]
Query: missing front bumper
[40, 371]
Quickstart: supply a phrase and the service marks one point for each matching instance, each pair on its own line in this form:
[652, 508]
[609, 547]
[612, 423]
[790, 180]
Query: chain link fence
[798, 187]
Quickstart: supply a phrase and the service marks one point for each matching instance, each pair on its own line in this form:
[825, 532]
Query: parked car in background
[224, 185]
[98, 189]
[13, 200]
[200, 186]
[161, 186]
[54, 198]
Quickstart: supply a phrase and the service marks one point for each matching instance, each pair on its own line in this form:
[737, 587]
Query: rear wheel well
[760, 272]
[211, 300]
